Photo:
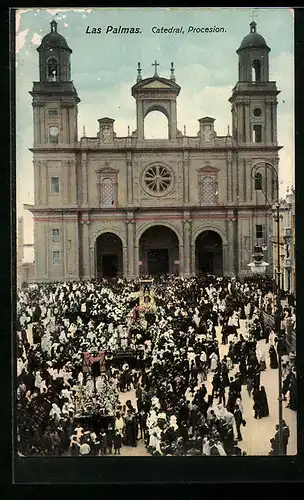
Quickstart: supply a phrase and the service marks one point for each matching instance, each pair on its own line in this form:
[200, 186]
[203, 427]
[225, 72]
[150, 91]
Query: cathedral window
[208, 190]
[55, 235]
[257, 133]
[256, 71]
[258, 181]
[54, 134]
[257, 112]
[157, 179]
[259, 231]
[56, 258]
[55, 185]
[52, 69]
[107, 193]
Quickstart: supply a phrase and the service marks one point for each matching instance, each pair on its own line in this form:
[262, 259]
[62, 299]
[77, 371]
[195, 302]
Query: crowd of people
[165, 356]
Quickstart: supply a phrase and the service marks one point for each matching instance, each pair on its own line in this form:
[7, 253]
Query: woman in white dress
[214, 359]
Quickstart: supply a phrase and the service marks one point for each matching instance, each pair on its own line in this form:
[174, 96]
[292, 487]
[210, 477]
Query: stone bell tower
[156, 94]
[55, 98]
[254, 98]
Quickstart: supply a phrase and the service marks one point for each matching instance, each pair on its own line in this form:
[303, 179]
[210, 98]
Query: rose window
[157, 179]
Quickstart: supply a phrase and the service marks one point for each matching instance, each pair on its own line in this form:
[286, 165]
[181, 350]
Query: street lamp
[257, 267]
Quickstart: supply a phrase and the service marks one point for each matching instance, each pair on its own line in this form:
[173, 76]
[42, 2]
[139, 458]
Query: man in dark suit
[238, 416]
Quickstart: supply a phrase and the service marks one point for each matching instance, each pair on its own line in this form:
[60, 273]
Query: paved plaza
[257, 433]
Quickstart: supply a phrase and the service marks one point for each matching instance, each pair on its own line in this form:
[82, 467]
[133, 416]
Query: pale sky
[104, 70]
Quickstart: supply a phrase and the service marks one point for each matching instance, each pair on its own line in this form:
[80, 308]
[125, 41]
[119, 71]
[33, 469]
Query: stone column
[136, 261]
[124, 261]
[37, 131]
[226, 263]
[77, 246]
[173, 124]
[248, 131]
[186, 177]
[274, 122]
[187, 249]
[44, 187]
[230, 247]
[267, 126]
[129, 179]
[91, 253]
[85, 250]
[193, 262]
[84, 177]
[37, 184]
[73, 181]
[240, 125]
[130, 239]
[44, 133]
[140, 119]
[181, 260]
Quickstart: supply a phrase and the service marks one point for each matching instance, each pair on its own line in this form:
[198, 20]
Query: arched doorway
[209, 253]
[158, 252]
[108, 256]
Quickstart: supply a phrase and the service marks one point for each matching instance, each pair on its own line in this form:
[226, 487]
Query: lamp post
[258, 265]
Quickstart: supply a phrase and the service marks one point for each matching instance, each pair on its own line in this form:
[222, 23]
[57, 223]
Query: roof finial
[185, 131]
[172, 77]
[155, 64]
[128, 130]
[84, 131]
[253, 23]
[138, 72]
[228, 130]
[53, 25]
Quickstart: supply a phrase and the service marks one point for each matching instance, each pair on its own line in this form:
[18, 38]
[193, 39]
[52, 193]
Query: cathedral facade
[110, 206]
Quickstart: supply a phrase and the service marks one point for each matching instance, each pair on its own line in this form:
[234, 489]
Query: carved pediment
[208, 169]
[106, 170]
[156, 84]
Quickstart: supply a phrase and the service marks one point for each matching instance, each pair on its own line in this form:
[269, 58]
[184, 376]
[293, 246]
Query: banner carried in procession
[89, 359]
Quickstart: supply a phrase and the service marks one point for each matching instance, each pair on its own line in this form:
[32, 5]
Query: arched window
[107, 193]
[156, 126]
[256, 70]
[258, 181]
[52, 70]
[208, 190]
[257, 133]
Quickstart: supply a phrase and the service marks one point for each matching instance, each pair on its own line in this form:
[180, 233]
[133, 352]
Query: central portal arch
[158, 251]
[209, 253]
[109, 256]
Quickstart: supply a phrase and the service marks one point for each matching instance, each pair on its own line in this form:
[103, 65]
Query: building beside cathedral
[131, 206]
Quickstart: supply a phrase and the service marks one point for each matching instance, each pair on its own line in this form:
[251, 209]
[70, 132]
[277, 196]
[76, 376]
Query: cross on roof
[253, 15]
[155, 64]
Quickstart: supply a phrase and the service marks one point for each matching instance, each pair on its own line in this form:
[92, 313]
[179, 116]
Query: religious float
[96, 402]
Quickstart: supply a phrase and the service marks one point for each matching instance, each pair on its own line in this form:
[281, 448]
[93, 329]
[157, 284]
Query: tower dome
[253, 39]
[53, 40]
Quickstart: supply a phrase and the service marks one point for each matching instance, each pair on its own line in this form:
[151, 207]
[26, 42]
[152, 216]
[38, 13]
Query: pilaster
[186, 160]
[130, 239]
[187, 247]
[129, 179]
[84, 172]
[140, 120]
[86, 270]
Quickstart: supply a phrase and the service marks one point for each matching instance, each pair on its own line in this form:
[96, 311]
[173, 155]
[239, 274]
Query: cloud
[36, 40]
[18, 17]
[20, 39]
